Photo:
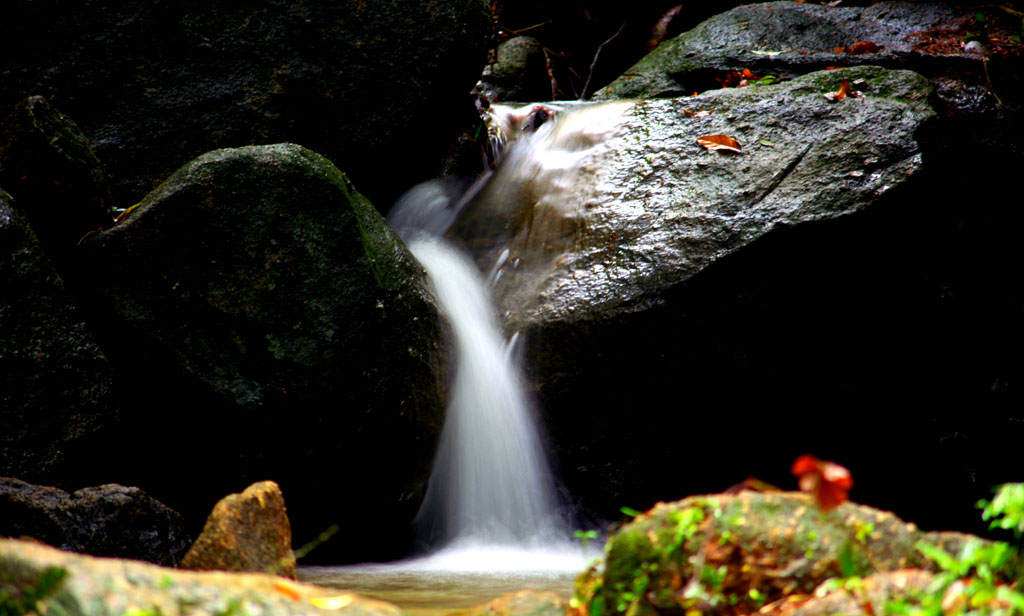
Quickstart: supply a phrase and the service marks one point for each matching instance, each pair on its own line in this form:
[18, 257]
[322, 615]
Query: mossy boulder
[734, 553]
[272, 326]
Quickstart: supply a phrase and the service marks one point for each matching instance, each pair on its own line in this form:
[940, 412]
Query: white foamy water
[491, 483]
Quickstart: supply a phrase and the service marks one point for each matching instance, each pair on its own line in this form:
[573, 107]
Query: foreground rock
[246, 532]
[39, 578]
[727, 554]
[272, 325]
[154, 86]
[107, 520]
[56, 383]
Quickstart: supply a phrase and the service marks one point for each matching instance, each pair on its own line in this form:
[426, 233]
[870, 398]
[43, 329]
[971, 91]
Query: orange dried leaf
[862, 47]
[746, 73]
[719, 142]
[826, 481]
[839, 50]
[844, 91]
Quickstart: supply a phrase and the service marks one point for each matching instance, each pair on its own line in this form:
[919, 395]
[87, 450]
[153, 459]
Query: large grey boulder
[107, 520]
[154, 85]
[666, 291]
[273, 326]
[644, 207]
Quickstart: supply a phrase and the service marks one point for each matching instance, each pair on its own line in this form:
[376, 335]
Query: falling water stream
[493, 513]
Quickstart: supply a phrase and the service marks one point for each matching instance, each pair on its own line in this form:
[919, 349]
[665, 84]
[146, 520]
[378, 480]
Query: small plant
[973, 580]
[585, 537]
[1006, 510]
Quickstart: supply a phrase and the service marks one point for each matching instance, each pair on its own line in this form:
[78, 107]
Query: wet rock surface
[107, 520]
[156, 85]
[246, 532]
[33, 576]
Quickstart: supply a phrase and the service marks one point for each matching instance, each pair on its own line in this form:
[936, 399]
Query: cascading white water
[491, 481]
[492, 501]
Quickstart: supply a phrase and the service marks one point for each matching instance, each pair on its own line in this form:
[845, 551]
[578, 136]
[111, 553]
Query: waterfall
[491, 482]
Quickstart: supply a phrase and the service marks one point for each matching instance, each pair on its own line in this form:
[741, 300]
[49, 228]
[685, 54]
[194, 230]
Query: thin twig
[597, 53]
[526, 29]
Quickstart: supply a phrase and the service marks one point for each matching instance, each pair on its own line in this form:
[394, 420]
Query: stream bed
[456, 579]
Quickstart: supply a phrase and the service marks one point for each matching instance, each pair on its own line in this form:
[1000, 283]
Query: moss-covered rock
[734, 553]
[785, 39]
[274, 327]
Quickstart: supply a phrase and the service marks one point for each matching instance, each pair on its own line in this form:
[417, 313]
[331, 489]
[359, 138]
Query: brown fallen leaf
[719, 142]
[697, 113]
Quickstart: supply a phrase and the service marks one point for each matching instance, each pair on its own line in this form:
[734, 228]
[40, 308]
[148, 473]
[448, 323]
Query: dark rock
[246, 532]
[518, 74]
[155, 85]
[33, 576]
[107, 520]
[49, 167]
[56, 384]
[785, 39]
[264, 313]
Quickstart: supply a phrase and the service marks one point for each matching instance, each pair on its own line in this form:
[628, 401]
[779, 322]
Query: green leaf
[630, 511]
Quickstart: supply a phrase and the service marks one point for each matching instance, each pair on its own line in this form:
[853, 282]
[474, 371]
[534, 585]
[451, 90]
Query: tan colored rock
[246, 532]
[522, 603]
[40, 579]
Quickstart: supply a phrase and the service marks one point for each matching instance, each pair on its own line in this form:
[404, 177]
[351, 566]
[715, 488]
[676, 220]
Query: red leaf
[826, 481]
[719, 142]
